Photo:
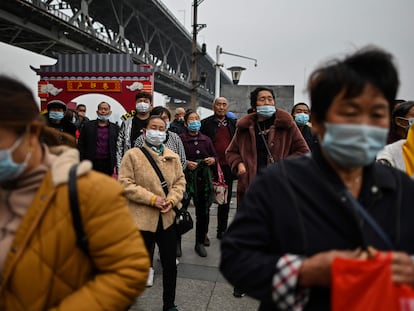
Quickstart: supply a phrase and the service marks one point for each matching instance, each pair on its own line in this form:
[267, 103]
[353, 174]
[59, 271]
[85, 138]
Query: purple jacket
[197, 147]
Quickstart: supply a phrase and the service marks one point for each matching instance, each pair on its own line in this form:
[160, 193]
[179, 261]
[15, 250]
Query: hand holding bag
[220, 188]
[361, 285]
[183, 219]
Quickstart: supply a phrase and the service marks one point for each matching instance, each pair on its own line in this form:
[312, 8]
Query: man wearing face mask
[262, 137]
[300, 113]
[55, 117]
[97, 140]
[132, 128]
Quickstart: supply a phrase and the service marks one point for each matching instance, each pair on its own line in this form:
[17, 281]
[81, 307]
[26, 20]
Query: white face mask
[142, 107]
[155, 137]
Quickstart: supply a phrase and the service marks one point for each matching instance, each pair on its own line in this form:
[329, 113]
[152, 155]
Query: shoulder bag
[220, 188]
[183, 219]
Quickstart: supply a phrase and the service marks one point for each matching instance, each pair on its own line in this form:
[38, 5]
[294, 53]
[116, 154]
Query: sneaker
[150, 279]
[173, 309]
[219, 235]
[177, 262]
[238, 293]
[200, 250]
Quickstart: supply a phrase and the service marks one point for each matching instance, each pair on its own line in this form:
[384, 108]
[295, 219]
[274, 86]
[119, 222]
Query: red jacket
[284, 139]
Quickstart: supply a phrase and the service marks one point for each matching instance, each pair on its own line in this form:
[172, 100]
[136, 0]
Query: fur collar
[66, 157]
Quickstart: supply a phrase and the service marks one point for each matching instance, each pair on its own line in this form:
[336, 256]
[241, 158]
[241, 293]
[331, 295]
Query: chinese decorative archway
[114, 75]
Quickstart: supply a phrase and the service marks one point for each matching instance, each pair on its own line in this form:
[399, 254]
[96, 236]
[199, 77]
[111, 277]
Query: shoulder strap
[368, 218]
[157, 170]
[272, 160]
[81, 239]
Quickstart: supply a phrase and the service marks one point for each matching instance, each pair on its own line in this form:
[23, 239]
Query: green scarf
[204, 173]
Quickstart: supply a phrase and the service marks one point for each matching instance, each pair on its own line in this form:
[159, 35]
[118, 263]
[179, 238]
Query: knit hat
[56, 104]
[17, 103]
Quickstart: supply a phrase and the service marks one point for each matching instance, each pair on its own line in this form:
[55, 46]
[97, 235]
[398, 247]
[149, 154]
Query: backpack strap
[81, 238]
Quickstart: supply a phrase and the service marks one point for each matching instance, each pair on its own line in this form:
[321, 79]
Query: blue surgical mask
[194, 126]
[301, 119]
[9, 169]
[155, 137]
[265, 111]
[104, 118]
[167, 125]
[142, 107]
[353, 145]
[56, 115]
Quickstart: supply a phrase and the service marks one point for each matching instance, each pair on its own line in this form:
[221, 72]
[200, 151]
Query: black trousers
[103, 166]
[202, 210]
[166, 241]
[223, 210]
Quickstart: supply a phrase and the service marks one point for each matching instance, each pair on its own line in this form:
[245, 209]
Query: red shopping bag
[363, 285]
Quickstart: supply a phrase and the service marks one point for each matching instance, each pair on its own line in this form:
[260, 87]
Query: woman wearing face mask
[402, 116]
[41, 265]
[173, 142]
[400, 154]
[302, 213]
[151, 208]
[300, 113]
[201, 156]
[262, 137]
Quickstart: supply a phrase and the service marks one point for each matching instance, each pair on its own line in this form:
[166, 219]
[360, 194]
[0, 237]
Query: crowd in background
[307, 160]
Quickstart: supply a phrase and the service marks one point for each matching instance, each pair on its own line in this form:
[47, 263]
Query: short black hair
[369, 65]
[295, 105]
[187, 114]
[253, 95]
[159, 110]
[143, 95]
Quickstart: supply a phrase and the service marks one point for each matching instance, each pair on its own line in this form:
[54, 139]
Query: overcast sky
[289, 38]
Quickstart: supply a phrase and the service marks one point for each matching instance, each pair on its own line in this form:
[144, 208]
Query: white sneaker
[177, 262]
[150, 280]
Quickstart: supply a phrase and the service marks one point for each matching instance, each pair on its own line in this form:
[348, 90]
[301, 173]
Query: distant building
[238, 97]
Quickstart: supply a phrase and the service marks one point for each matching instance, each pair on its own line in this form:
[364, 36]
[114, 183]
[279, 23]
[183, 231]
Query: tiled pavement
[200, 285]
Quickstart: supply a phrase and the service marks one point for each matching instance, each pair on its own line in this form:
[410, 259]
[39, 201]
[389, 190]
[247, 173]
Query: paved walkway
[200, 285]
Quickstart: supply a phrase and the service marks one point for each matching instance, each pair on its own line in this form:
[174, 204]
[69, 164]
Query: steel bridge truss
[146, 30]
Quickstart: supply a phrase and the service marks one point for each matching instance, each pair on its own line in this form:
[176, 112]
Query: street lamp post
[194, 81]
[236, 71]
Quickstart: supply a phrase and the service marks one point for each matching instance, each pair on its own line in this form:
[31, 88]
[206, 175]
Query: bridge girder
[145, 29]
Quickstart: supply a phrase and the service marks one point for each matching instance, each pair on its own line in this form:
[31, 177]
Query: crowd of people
[298, 175]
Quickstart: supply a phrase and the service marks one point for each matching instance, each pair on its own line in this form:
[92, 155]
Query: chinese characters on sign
[93, 85]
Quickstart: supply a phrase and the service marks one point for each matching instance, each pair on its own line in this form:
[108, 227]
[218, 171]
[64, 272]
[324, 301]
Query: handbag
[220, 188]
[183, 220]
[360, 285]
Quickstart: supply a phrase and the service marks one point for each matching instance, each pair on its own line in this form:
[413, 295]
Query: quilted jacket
[45, 270]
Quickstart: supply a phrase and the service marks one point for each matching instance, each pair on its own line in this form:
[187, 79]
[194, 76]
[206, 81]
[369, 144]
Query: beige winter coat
[141, 183]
